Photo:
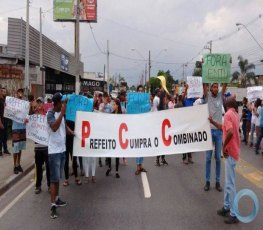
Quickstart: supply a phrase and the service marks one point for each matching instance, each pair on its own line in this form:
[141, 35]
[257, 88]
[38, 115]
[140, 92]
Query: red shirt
[231, 120]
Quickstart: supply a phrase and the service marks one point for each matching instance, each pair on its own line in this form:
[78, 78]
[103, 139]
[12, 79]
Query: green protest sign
[216, 68]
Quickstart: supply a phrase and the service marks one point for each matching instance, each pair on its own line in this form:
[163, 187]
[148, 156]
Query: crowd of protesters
[56, 156]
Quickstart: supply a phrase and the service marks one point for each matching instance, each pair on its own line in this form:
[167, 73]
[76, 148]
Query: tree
[246, 75]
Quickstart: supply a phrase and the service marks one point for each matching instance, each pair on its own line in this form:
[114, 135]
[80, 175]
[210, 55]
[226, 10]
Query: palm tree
[245, 75]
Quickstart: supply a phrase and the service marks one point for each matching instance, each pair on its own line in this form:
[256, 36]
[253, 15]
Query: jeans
[89, 162]
[252, 131]
[230, 185]
[259, 138]
[56, 165]
[217, 140]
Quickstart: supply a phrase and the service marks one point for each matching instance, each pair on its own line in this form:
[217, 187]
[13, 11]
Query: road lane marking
[11, 204]
[251, 173]
[145, 184]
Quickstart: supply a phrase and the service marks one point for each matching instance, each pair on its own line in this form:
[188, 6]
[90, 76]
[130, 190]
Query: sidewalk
[7, 176]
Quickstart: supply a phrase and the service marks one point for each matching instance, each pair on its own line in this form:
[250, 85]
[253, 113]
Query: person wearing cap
[41, 153]
[56, 149]
[214, 99]
[18, 138]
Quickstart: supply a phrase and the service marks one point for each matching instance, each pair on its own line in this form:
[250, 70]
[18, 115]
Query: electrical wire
[103, 52]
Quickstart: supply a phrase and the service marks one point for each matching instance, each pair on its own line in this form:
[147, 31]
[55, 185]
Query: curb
[12, 180]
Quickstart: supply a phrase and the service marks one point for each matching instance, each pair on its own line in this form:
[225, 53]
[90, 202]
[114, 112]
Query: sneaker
[117, 175]
[37, 190]
[157, 163]
[16, 170]
[190, 161]
[207, 186]
[93, 179]
[7, 152]
[223, 212]
[19, 168]
[164, 162]
[1, 154]
[60, 203]
[231, 220]
[218, 187]
[53, 214]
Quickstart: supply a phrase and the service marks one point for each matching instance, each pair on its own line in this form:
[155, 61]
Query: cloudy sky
[175, 32]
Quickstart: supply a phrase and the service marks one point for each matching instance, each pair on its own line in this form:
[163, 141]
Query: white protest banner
[165, 132]
[195, 87]
[254, 92]
[16, 109]
[37, 129]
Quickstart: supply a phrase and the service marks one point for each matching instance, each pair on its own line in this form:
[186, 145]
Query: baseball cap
[40, 99]
[57, 97]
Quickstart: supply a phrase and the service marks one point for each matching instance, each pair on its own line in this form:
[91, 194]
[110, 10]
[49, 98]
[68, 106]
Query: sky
[175, 33]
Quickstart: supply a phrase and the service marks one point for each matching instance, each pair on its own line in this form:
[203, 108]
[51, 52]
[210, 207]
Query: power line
[103, 52]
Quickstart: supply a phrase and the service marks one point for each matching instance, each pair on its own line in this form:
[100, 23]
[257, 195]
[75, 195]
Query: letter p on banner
[85, 133]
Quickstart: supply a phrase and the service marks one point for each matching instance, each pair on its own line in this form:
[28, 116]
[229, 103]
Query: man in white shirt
[56, 149]
[156, 100]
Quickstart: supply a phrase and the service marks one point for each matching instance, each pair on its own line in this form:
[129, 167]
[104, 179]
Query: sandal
[137, 172]
[66, 183]
[78, 182]
[86, 180]
[143, 170]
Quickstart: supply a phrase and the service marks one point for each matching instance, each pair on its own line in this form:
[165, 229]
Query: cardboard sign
[172, 131]
[78, 103]
[254, 92]
[16, 109]
[216, 68]
[37, 129]
[195, 87]
[138, 103]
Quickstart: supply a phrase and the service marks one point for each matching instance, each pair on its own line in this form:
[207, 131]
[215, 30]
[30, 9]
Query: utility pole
[77, 87]
[149, 70]
[209, 47]
[108, 67]
[145, 76]
[41, 54]
[26, 79]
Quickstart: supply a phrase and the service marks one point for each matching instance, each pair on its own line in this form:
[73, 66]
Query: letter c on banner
[167, 141]
[124, 144]
[85, 132]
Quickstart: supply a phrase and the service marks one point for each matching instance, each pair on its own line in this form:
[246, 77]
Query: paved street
[177, 200]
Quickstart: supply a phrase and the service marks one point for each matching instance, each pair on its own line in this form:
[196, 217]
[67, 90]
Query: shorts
[18, 146]
[139, 160]
[56, 166]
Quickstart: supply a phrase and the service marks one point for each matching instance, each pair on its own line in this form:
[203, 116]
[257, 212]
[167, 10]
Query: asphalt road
[177, 200]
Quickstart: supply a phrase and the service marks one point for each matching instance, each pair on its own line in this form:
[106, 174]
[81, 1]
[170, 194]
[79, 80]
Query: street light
[240, 24]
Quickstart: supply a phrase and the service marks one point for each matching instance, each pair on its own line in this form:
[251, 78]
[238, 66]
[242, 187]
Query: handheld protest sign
[216, 68]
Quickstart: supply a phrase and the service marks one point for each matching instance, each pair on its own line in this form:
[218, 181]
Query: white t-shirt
[57, 140]
[156, 102]
[257, 123]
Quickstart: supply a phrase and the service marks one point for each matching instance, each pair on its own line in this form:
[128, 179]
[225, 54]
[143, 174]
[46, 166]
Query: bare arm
[224, 86]
[216, 124]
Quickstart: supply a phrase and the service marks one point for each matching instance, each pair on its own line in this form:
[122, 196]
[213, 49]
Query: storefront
[58, 72]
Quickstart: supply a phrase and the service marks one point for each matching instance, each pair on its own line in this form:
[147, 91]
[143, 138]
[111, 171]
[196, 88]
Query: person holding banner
[56, 149]
[139, 160]
[214, 98]
[41, 153]
[18, 138]
[231, 151]
[116, 106]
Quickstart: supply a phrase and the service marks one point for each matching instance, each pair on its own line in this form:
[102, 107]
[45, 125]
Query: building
[91, 82]
[58, 72]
